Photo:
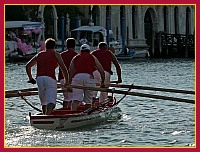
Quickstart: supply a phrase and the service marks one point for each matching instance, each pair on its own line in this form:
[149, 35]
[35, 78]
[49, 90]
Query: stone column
[103, 16]
[115, 20]
[140, 23]
[160, 19]
[67, 26]
[171, 20]
[41, 19]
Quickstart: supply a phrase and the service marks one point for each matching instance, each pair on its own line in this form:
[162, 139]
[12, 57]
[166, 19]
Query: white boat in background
[94, 35]
[124, 57]
[131, 54]
[23, 39]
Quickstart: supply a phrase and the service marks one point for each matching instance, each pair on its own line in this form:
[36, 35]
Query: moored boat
[19, 58]
[131, 54]
[23, 40]
[124, 57]
[64, 119]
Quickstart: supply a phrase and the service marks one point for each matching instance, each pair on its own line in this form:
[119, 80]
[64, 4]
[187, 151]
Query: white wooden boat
[94, 35]
[64, 119]
[131, 54]
[124, 57]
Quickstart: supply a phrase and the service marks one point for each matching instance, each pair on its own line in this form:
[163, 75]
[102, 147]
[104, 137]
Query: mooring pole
[123, 35]
[63, 31]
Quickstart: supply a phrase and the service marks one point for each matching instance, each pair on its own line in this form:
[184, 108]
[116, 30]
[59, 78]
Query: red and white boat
[63, 119]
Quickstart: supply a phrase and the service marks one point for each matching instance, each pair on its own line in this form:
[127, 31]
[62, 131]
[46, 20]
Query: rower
[105, 57]
[81, 69]
[67, 57]
[47, 61]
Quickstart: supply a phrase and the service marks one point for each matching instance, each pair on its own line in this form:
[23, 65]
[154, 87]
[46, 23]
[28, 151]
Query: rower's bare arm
[63, 67]
[118, 68]
[30, 63]
[99, 67]
[71, 70]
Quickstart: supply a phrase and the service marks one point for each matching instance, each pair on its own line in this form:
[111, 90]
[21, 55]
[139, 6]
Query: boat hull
[19, 58]
[67, 119]
[124, 57]
[64, 123]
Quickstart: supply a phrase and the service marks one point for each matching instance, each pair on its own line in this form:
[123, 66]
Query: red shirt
[105, 58]
[46, 64]
[67, 57]
[84, 63]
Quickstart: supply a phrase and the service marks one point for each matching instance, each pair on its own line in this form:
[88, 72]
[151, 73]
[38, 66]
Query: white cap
[85, 47]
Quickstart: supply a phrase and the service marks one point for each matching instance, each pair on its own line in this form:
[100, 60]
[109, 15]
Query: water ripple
[137, 121]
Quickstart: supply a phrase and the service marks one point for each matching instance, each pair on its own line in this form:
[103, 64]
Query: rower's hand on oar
[32, 81]
[119, 81]
[102, 85]
[65, 86]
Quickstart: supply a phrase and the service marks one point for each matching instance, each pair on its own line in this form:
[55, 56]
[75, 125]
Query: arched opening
[176, 20]
[165, 19]
[96, 15]
[187, 21]
[48, 15]
[148, 25]
[49, 21]
[108, 14]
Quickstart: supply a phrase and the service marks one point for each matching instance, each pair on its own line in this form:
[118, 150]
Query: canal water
[138, 121]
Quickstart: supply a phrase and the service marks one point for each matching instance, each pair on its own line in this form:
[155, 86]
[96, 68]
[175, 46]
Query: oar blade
[9, 95]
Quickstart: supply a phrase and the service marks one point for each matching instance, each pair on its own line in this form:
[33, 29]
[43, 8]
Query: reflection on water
[137, 121]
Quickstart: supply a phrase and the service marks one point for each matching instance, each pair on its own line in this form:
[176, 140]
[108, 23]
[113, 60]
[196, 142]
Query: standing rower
[105, 57]
[81, 69]
[67, 57]
[47, 61]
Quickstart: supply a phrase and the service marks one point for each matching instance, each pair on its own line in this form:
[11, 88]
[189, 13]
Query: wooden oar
[8, 95]
[15, 94]
[22, 90]
[19, 93]
[118, 86]
[25, 93]
[29, 89]
[149, 88]
[132, 93]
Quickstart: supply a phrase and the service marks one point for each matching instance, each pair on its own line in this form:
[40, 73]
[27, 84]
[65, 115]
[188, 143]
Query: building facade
[137, 24]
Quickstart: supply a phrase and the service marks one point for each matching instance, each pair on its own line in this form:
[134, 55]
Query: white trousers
[68, 96]
[83, 79]
[97, 78]
[47, 89]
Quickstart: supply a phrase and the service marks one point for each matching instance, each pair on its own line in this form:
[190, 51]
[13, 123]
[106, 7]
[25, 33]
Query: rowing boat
[64, 118]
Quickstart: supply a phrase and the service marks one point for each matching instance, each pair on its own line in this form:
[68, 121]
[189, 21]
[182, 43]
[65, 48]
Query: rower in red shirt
[67, 57]
[106, 58]
[81, 69]
[47, 61]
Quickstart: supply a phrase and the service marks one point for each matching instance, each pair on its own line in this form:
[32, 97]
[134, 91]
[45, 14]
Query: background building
[163, 30]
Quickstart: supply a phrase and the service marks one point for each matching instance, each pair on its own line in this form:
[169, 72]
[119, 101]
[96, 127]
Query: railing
[174, 45]
[177, 40]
